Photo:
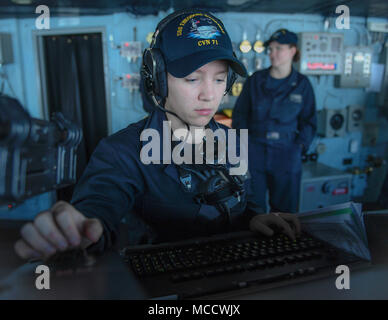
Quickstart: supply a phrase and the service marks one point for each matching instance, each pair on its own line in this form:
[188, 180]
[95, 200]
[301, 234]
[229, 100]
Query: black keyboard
[233, 253]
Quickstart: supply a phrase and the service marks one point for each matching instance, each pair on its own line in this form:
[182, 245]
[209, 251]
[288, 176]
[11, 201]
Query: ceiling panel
[371, 8]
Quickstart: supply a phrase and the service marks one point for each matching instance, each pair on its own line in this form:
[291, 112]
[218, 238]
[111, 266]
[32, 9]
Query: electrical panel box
[6, 53]
[331, 122]
[131, 81]
[322, 186]
[321, 53]
[355, 118]
[357, 68]
[378, 26]
[132, 50]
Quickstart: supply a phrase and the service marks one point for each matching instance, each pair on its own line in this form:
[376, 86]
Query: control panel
[132, 50]
[321, 53]
[130, 81]
[322, 186]
[355, 118]
[332, 122]
[357, 68]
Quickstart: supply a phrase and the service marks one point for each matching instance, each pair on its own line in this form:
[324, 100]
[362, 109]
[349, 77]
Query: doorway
[74, 83]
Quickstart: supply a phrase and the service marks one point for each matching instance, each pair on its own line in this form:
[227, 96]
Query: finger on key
[24, 251]
[35, 240]
[93, 229]
[65, 223]
[256, 224]
[294, 220]
[45, 224]
[280, 222]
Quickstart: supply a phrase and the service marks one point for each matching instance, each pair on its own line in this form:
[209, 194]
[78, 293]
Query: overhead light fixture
[22, 1]
[236, 2]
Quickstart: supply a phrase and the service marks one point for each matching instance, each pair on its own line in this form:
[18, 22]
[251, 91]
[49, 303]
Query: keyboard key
[230, 269]
[220, 271]
[279, 261]
[316, 254]
[299, 257]
[238, 267]
[176, 278]
[271, 252]
[210, 273]
[186, 276]
[196, 275]
[311, 270]
[250, 266]
[308, 255]
[300, 272]
[270, 262]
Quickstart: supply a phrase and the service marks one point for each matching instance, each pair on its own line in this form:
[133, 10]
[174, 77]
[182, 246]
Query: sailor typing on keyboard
[172, 175]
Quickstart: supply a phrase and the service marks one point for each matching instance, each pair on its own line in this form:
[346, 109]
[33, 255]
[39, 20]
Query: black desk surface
[110, 278]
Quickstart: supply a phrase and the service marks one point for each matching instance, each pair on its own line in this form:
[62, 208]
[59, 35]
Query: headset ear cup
[232, 76]
[231, 79]
[146, 90]
[155, 80]
[161, 87]
[146, 72]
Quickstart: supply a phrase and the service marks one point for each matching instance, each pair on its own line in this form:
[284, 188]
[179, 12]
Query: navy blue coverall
[154, 202]
[281, 122]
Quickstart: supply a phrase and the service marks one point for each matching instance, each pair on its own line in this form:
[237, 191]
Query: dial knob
[327, 187]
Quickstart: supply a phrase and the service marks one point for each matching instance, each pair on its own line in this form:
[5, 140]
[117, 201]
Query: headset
[153, 69]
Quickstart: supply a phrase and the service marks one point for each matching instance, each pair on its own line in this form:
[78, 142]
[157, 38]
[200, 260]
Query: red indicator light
[128, 76]
[321, 66]
[310, 189]
[339, 191]
[126, 44]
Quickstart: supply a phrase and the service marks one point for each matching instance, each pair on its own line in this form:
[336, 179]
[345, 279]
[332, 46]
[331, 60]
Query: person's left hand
[287, 222]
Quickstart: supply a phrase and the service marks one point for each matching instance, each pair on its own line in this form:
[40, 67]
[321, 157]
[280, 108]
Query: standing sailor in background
[277, 106]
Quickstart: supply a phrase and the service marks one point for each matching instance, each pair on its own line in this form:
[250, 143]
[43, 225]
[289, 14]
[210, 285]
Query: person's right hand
[58, 229]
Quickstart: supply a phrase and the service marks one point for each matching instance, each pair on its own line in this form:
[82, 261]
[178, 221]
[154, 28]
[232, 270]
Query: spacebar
[243, 284]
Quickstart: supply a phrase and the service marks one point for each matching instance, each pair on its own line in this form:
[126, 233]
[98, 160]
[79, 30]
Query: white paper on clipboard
[341, 225]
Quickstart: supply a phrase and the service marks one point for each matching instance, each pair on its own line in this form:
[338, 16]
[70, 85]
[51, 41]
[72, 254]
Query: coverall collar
[291, 82]
[155, 121]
